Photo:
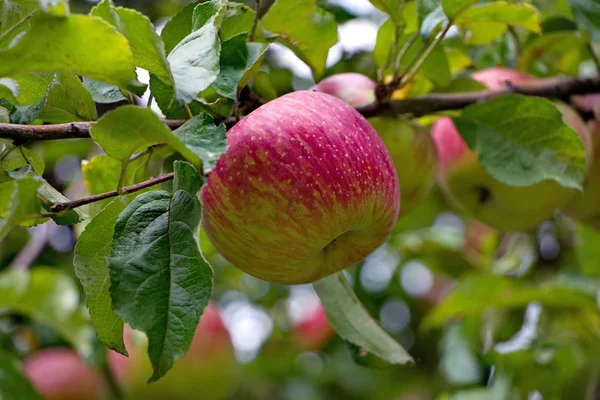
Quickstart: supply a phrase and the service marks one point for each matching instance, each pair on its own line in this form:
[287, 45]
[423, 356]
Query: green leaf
[57, 45]
[489, 21]
[16, 160]
[456, 352]
[391, 7]
[452, 8]
[474, 294]
[33, 86]
[13, 384]
[514, 150]
[426, 7]
[147, 47]
[587, 16]
[9, 89]
[49, 296]
[160, 283]
[51, 195]
[24, 203]
[352, 322]
[237, 58]
[304, 28]
[195, 61]
[91, 268]
[554, 53]
[14, 19]
[588, 250]
[435, 68]
[204, 138]
[178, 27]
[54, 7]
[130, 129]
[68, 100]
[103, 93]
[238, 18]
[4, 118]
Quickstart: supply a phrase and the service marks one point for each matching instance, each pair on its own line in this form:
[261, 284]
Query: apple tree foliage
[68, 88]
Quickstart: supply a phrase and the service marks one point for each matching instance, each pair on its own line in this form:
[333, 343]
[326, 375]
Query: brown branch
[59, 207]
[553, 88]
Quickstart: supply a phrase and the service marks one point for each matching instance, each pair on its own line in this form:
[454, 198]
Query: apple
[61, 374]
[314, 331]
[585, 206]
[305, 189]
[208, 370]
[471, 188]
[410, 144]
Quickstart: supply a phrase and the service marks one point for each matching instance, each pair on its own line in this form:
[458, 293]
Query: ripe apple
[410, 145]
[207, 371]
[313, 331]
[61, 374]
[306, 188]
[476, 192]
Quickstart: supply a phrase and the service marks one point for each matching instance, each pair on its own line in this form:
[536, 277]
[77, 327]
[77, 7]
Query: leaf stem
[255, 23]
[150, 99]
[60, 207]
[188, 111]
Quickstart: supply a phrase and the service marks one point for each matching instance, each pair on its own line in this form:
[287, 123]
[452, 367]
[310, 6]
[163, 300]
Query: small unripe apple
[305, 189]
[207, 371]
[61, 374]
[585, 206]
[410, 144]
[475, 191]
[313, 331]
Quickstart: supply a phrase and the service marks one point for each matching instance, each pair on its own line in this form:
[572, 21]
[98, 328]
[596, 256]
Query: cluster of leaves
[138, 257]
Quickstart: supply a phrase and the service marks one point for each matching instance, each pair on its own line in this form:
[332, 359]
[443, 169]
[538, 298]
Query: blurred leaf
[587, 17]
[553, 53]
[18, 159]
[511, 148]
[24, 203]
[237, 59]
[16, 19]
[91, 268]
[51, 297]
[430, 240]
[588, 250]
[68, 100]
[499, 390]
[304, 28]
[178, 27]
[33, 86]
[432, 21]
[461, 84]
[436, 66]
[452, 8]
[103, 93]
[160, 283]
[391, 7]
[130, 129]
[9, 89]
[489, 21]
[13, 384]
[195, 60]
[51, 43]
[4, 118]
[352, 322]
[55, 7]
[474, 294]
[238, 19]
[204, 138]
[147, 47]
[458, 362]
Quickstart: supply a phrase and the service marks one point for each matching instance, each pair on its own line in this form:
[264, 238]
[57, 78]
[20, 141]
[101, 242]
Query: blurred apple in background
[208, 370]
[313, 331]
[410, 145]
[61, 374]
[305, 189]
[475, 191]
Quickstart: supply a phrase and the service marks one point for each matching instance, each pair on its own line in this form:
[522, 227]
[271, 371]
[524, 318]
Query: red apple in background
[207, 371]
[305, 189]
[61, 374]
[313, 331]
[410, 145]
[476, 192]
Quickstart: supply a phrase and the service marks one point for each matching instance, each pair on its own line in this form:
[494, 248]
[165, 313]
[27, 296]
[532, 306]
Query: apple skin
[305, 189]
[208, 370]
[585, 206]
[471, 188]
[313, 332]
[410, 145]
[61, 374]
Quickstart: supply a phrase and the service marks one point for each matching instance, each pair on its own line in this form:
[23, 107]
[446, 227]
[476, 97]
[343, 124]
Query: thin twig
[147, 151]
[60, 207]
[149, 103]
[255, 23]
[402, 54]
[33, 248]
